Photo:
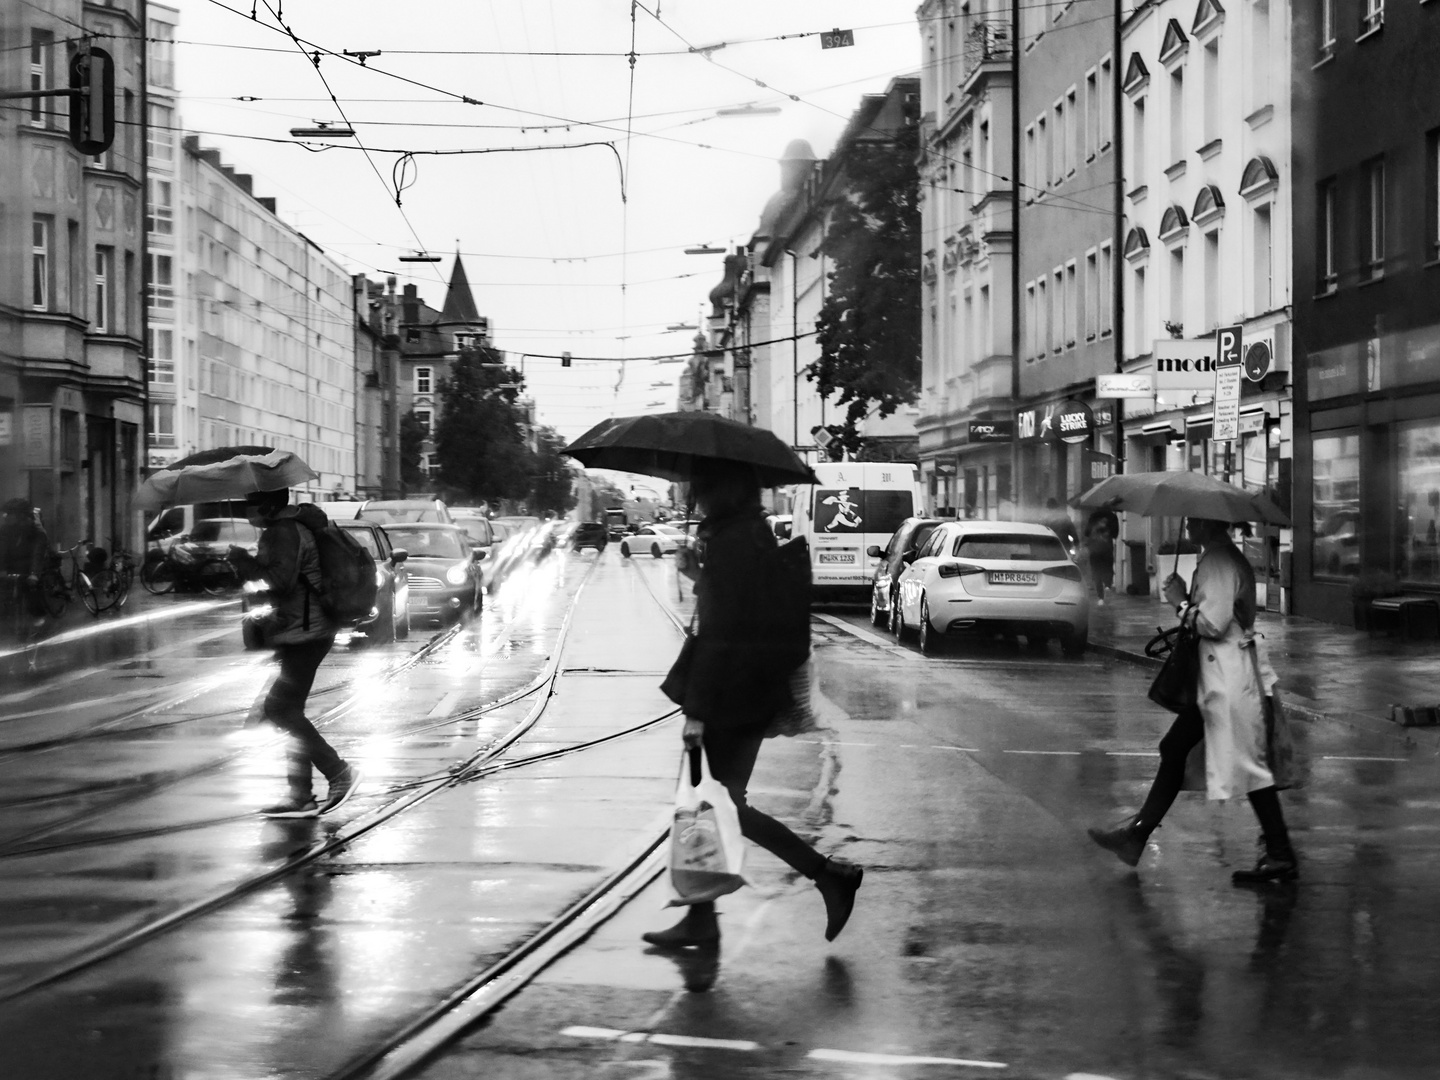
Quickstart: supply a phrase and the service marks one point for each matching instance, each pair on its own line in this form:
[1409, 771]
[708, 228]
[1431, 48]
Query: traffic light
[564, 359]
[92, 101]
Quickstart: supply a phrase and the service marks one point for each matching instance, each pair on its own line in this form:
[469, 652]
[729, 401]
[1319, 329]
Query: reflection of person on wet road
[23, 551]
[1230, 716]
[288, 561]
[1100, 533]
[738, 679]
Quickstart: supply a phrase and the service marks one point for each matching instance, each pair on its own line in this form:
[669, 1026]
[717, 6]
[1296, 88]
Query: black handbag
[1176, 684]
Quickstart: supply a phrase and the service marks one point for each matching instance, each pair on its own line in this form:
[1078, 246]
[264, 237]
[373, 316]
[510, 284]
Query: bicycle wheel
[124, 579]
[100, 594]
[218, 576]
[158, 577]
[54, 596]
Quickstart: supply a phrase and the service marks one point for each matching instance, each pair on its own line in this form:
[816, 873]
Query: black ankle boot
[1276, 863]
[838, 883]
[698, 927]
[1127, 842]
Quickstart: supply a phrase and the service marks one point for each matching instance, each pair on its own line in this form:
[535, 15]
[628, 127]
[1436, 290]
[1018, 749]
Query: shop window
[1418, 458]
[1335, 506]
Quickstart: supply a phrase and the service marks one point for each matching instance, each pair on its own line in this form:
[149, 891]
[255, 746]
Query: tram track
[485, 761]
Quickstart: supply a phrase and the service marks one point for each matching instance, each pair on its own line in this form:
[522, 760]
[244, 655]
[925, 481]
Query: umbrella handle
[1175, 570]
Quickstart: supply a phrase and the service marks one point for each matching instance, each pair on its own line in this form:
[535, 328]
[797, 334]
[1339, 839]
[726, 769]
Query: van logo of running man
[847, 514]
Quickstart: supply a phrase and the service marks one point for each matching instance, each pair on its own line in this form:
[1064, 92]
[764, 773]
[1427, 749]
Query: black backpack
[347, 571]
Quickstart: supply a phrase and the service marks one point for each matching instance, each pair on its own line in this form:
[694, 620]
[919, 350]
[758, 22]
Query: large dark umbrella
[669, 444]
[226, 472]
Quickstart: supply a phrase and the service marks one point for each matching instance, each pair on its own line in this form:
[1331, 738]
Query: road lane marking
[442, 707]
[856, 1057]
[1342, 757]
[658, 1038]
[1132, 753]
[863, 635]
[1045, 753]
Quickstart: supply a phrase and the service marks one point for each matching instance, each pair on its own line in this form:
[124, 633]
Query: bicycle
[56, 591]
[124, 566]
[182, 565]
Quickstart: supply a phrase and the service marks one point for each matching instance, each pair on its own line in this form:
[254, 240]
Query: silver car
[1004, 577]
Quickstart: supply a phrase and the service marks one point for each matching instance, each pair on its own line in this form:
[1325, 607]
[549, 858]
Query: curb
[1409, 736]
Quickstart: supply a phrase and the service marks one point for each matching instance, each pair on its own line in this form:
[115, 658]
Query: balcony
[986, 43]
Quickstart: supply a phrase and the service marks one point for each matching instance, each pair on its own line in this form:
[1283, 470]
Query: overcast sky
[546, 238]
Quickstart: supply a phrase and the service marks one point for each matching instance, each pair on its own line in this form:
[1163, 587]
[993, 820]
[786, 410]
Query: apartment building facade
[71, 328]
[967, 396]
[1367, 304]
[1208, 214]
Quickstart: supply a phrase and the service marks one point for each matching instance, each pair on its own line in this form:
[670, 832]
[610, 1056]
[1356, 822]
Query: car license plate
[1012, 577]
[837, 557]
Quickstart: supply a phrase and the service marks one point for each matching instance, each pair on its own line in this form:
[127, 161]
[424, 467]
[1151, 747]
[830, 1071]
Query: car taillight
[1070, 572]
[959, 569]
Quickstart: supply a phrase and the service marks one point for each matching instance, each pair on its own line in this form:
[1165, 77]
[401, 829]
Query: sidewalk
[1326, 671]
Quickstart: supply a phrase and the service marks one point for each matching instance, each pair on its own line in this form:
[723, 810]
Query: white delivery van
[856, 504]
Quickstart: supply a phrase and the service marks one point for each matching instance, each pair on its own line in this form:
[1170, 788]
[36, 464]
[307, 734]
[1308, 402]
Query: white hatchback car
[993, 576]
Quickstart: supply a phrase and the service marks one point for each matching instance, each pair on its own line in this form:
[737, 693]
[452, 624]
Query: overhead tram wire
[841, 116]
[315, 60]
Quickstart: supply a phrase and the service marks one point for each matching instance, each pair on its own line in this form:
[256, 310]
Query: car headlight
[379, 580]
[456, 574]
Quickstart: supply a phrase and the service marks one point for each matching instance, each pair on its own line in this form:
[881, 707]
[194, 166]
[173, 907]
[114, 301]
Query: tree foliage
[480, 439]
[412, 444]
[554, 489]
[869, 325]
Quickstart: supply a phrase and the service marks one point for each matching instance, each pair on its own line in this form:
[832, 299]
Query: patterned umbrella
[227, 472]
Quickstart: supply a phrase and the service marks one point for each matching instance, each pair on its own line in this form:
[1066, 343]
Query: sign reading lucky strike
[1074, 423]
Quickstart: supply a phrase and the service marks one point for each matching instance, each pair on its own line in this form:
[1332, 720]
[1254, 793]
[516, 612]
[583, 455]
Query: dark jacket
[288, 560]
[24, 549]
[737, 674]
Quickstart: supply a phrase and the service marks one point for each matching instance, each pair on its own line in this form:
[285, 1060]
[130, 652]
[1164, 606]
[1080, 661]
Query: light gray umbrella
[1181, 494]
[227, 472]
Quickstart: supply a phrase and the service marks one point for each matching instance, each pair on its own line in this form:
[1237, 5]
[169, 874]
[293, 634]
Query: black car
[390, 619]
[906, 540]
[589, 534]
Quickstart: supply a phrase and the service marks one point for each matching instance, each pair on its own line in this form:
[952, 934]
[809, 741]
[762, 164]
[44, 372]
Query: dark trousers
[732, 759]
[1184, 735]
[285, 708]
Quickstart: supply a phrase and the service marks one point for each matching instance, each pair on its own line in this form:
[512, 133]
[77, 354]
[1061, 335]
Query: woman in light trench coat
[1230, 715]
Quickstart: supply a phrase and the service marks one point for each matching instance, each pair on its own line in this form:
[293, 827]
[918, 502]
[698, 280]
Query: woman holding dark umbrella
[737, 680]
[1229, 714]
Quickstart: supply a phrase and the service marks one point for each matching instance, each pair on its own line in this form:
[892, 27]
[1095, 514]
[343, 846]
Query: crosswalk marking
[856, 1057]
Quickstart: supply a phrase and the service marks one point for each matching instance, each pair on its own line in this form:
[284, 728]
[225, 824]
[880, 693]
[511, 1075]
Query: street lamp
[323, 130]
[750, 110]
[681, 326]
[420, 257]
[704, 249]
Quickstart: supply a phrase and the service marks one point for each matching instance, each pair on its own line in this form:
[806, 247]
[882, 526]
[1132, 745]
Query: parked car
[388, 511]
[210, 537]
[657, 539]
[906, 540]
[997, 577]
[446, 582]
[389, 620]
[591, 534]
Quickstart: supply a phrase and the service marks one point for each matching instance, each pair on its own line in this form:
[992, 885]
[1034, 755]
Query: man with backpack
[302, 630]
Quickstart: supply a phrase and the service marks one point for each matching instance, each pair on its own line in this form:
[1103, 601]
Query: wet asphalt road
[990, 936]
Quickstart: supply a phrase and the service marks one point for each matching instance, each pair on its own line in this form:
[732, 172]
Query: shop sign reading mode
[1185, 366]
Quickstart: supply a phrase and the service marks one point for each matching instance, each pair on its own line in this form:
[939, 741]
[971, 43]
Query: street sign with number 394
[837, 39]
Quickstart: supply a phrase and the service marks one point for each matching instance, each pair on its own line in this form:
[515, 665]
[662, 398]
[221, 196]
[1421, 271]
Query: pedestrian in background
[288, 562]
[1100, 552]
[736, 680]
[24, 548]
[1058, 522]
[1229, 717]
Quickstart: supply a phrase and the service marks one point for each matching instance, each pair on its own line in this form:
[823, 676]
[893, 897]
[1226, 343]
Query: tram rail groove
[343, 836]
[445, 1021]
